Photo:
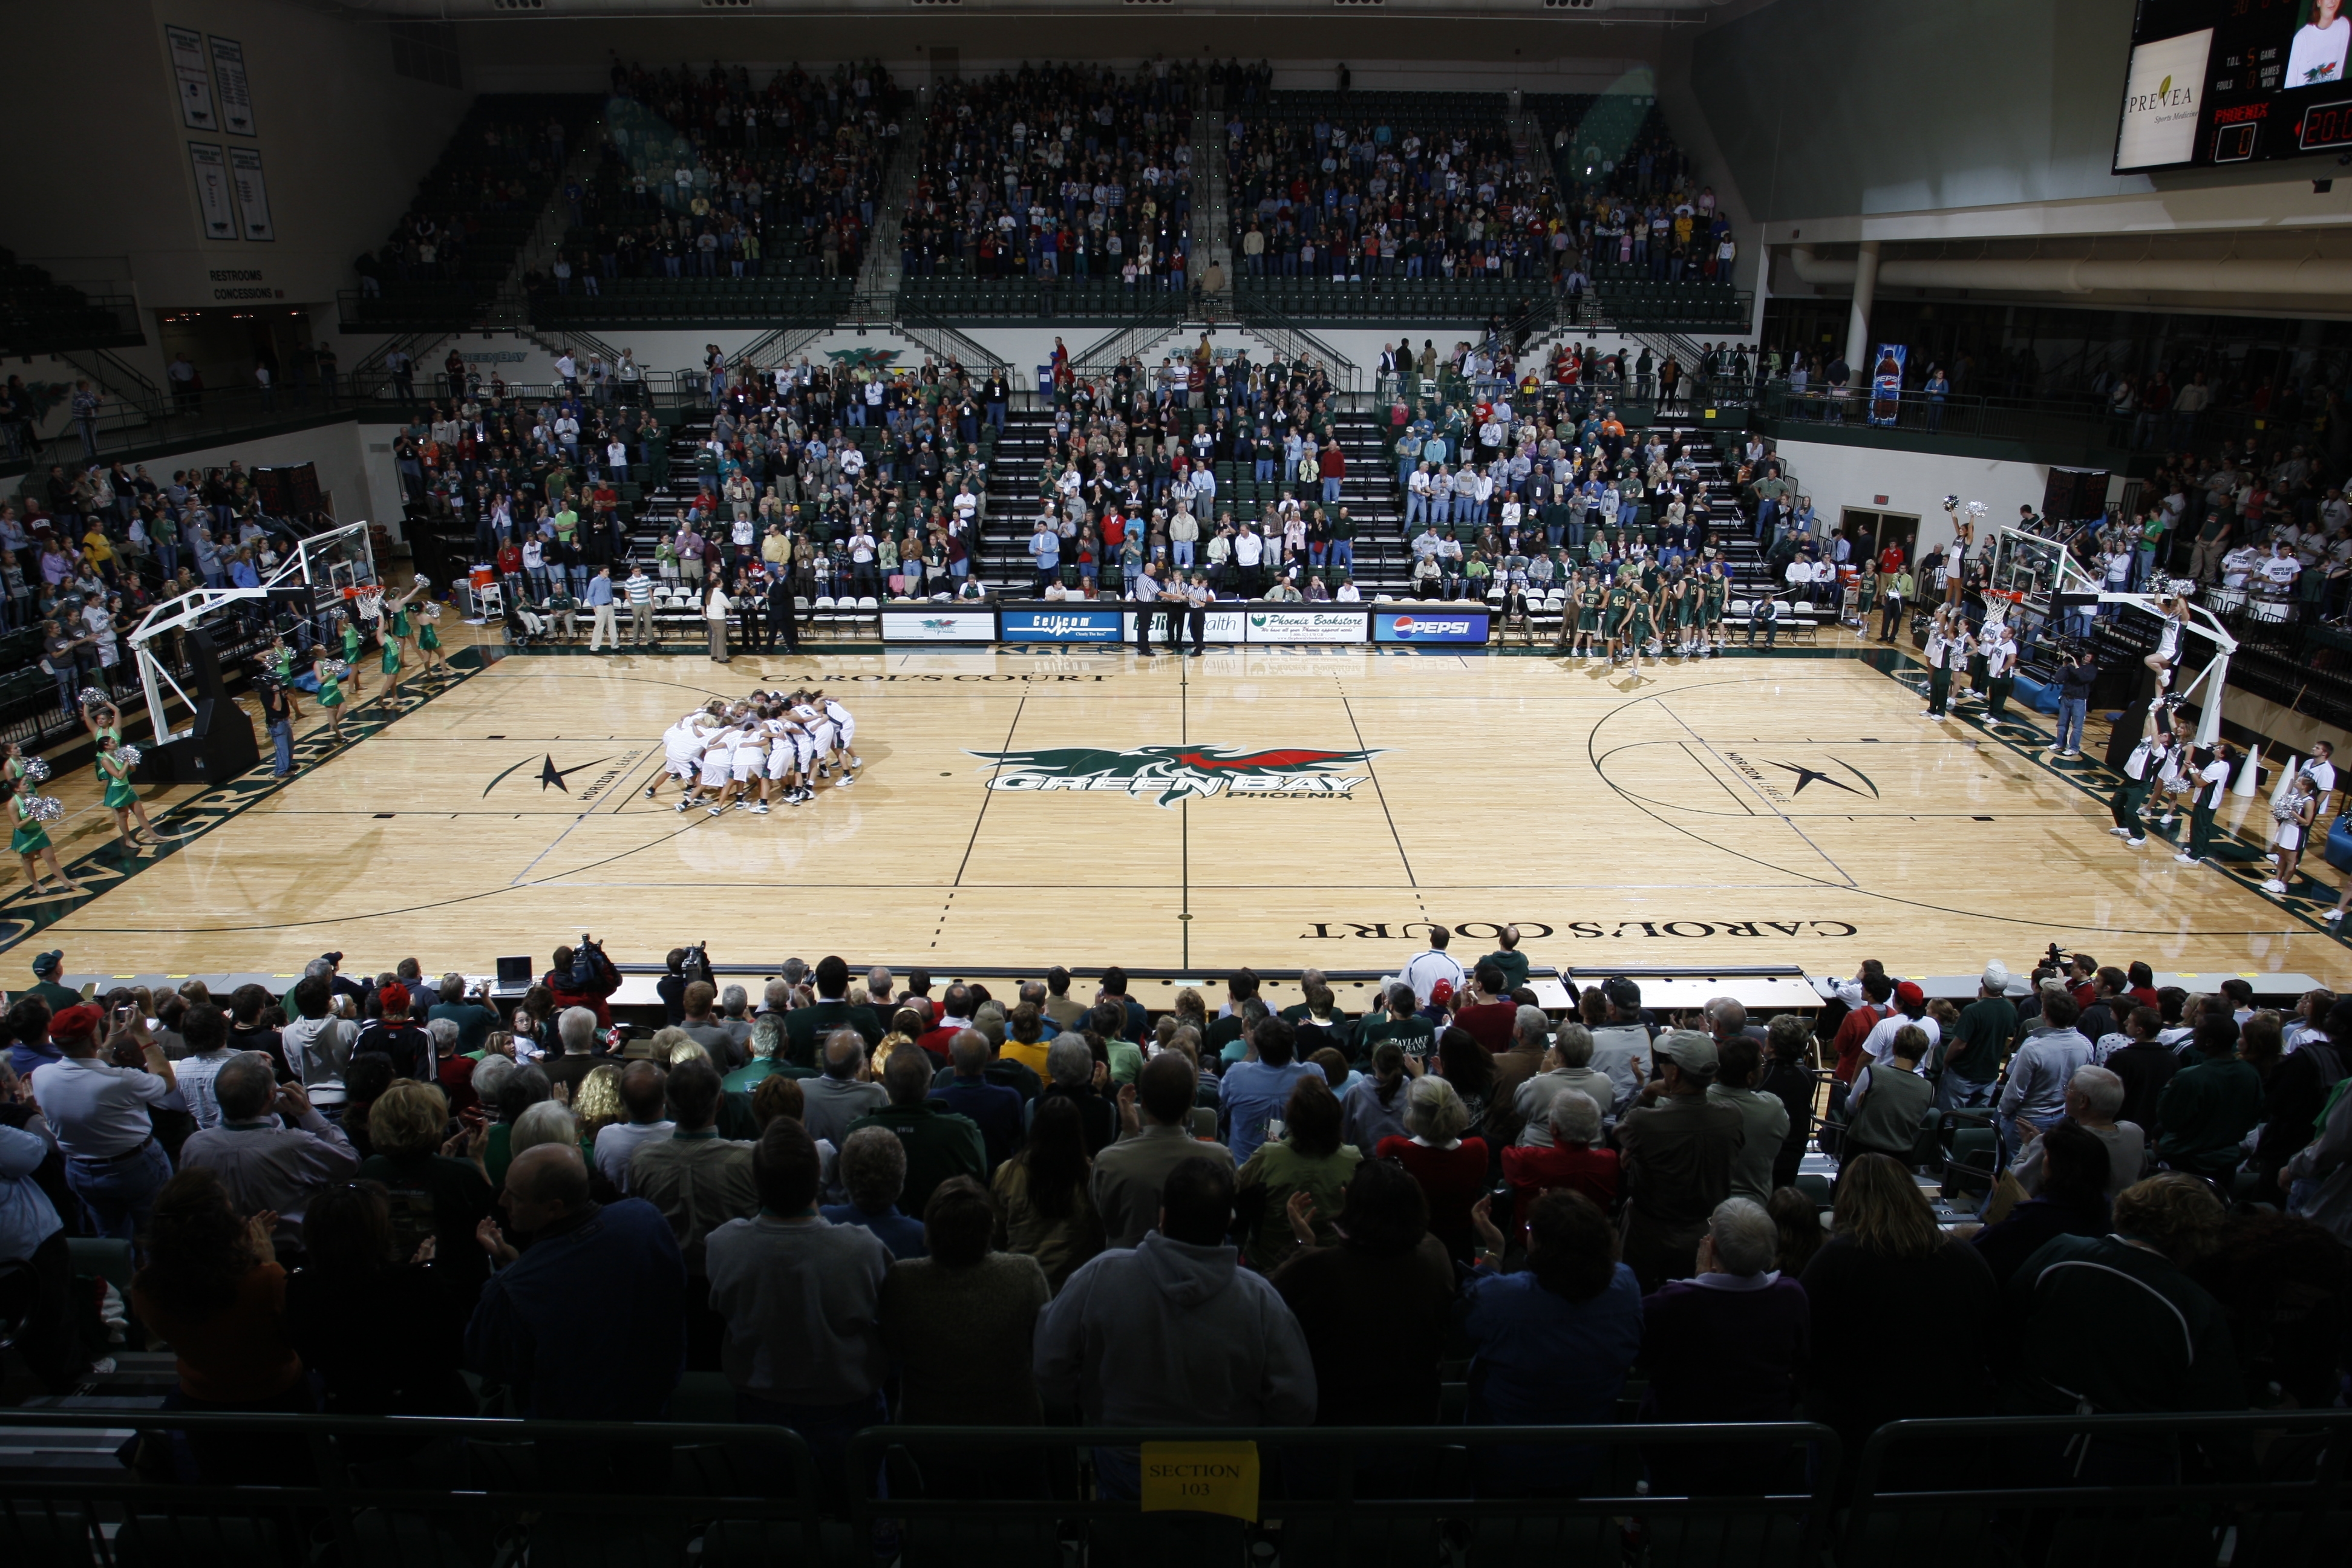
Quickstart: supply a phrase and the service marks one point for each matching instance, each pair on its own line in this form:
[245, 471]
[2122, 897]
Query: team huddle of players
[1643, 607]
[769, 746]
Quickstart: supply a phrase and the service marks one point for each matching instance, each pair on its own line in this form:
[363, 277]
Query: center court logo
[1173, 773]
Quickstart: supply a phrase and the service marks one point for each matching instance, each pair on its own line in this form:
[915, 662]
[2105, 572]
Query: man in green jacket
[1509, 960]
[808, 1026]
[2209, 1106]
[938, 1143]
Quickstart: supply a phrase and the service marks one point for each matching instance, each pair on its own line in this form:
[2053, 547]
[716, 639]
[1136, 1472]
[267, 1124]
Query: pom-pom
[47, 809]
[36, 769]
[130, 756]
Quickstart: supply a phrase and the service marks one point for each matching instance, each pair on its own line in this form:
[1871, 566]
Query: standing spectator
[33, 1238]
[1979, 1043]
[428, 1193]
[1254, 1090]
[699, 1181]
[1677, 1151]
[1549, 1344]
[1043, 1207]
[982, 1373]
[1128, 1174]
[1451, 1169]
[874, 1173]
[372, 1323]
[2211, 1105]
[842, 1094]
[1569, 1156]
[1886, 1262]
[589, 1323]
[1726, 1345]
[1890, 1100]
[644, 1096]
[1175, 1332]
[994, 1108]
[1763, 1117]
[1567, 1066]
[802, 1299]
[264, 1165]
[2071, 1199]
[99, 1114]
[2044, 1062]
[1372, 1369]
[938, 1143]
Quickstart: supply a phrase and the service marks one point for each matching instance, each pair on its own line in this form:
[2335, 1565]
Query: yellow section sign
[1201, 1478]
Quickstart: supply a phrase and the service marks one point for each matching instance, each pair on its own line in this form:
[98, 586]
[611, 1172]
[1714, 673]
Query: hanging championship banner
[252, 193]
[216, 200]
[235, 94]
[1886, 384]
[195, 82]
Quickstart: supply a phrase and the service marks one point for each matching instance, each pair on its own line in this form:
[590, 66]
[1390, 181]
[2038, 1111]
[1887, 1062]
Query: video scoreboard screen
[2231, 81]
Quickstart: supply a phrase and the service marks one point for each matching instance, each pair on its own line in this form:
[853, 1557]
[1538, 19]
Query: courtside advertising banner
[1307, 626]
[1216, 625]
[939, 626]
[1430, 626]
[1062, 625]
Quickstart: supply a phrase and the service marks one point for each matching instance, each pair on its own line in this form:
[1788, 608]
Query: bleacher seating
[459, 239]
[37, 314]
[716, 203]
[1431, 209]
[1000, 225]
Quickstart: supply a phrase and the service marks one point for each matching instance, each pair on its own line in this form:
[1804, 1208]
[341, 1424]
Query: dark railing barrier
[130, 1488]
[2084, 421]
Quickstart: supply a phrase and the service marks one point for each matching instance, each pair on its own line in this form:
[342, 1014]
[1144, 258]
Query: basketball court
[1273, 807]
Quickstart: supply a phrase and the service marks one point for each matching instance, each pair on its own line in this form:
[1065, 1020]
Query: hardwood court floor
[1265, 807]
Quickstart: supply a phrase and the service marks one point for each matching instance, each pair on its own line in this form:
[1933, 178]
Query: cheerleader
[2293, 811]
[1940, 652]
[15, 765]
[102, 719]
[355, 640]
[2169, 640]
[2142, 771]
[324, 671]
[31, 841]
[281, 663]
[395, 636]
[114, 774]
[428, 640]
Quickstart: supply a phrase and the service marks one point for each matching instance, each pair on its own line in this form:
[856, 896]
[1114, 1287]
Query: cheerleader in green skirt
[281, 663]
[114, 776]
[331, 692]
[354, 641]
[31, 841]
[103, 720]
[428, 640]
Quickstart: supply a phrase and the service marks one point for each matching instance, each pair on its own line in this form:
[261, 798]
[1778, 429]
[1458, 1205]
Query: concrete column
[1857, 326]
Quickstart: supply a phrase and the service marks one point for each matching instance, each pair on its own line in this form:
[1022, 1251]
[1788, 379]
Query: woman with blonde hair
[431, 1188]
[1451, 1169]
[906, 1023]
[597, 1101]
[1887, 1268]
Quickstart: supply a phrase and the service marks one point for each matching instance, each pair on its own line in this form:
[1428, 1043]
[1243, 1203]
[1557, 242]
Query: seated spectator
[938, 1143]
[1043, 1209]
[1567, 1066]
[1372, 1369]
[2071, 1176]
[1677, 1150]
[427, 1190]
[843, 1092]
[378, 1329]
[1800, 1223]
[1373, 1108]
[802, 1298]
[874, 1172]
[1568, 1158]
[1025, 1037]
[1254, 1089]
[589, 1323]
[1886, 1262]
[32, 1236]
[1550, 1344]
[2092, 1096]
[700, 1181]
[1175, 1332]
[643, 1095]
[2115, 1321]
[979, 1376]
[1128, 1176]
[265, 1165]
[993, 1108]
[211, 1288]
[1451, 1169]
[2210, 1105]
[205, 1030]
[1468, 1068]
[1309, 1160]
[1726, 1345]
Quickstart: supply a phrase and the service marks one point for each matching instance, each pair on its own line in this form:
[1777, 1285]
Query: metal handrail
[1297, 342]
[936, 335]
[1103, 356]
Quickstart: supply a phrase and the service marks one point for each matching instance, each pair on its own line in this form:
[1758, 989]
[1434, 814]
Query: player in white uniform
[748, 763]
[812, 719]
[844, 729]
[682, 749]
[717, 769]
[785, 741]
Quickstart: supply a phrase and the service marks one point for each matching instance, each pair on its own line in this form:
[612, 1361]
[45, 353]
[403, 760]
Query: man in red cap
[98, 1112]
[1910, 1008]
[398, 1036]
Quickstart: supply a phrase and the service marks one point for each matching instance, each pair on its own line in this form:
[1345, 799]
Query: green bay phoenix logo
[553, 778]
[1173, 773]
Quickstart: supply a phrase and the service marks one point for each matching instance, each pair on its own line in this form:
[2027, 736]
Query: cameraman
[277, 717]
[583, 977]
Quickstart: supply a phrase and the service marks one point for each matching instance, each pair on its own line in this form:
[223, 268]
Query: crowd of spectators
[481, 198]
[701, 174]
[1056, 171]
[1177, 1221]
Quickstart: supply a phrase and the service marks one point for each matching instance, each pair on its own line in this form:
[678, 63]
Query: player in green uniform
[31, 841]
[1719, 591]
[1616, 613]
[114, 774]
[1640, 626]
[1590, 597]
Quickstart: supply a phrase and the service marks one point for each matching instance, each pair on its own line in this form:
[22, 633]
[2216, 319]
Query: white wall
[1914, 482]
[335, 448]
